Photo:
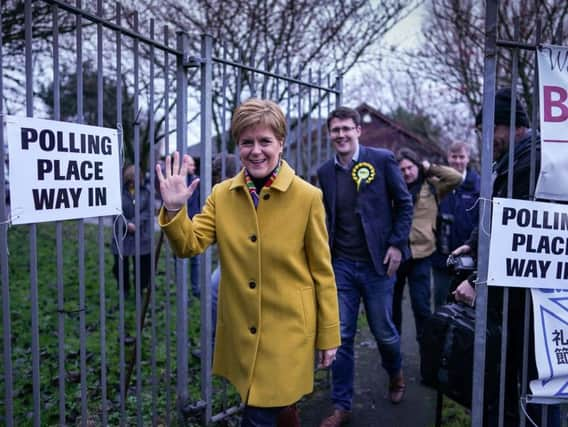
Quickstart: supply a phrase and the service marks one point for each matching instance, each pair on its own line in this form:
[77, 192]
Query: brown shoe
[340, 417]
[397, 387]
[288, 417]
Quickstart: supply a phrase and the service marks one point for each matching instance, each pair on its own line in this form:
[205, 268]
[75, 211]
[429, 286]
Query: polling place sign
[529, 244]
[553, 91]
[61, 170]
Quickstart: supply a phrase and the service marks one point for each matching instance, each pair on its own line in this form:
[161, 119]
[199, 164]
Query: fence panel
[81, 346]
[514, 301]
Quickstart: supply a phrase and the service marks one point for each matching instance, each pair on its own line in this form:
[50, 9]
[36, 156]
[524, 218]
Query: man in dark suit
[369, 213]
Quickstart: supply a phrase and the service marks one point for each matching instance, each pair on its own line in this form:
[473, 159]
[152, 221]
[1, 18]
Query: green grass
[48, 315]
[454, 415]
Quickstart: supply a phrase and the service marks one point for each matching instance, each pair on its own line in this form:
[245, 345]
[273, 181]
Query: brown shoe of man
[339, 417]
[288, 417]
[397, 387]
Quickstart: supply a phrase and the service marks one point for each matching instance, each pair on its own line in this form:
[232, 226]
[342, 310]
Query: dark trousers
[417, 273]
[254, 416]
[130, 261]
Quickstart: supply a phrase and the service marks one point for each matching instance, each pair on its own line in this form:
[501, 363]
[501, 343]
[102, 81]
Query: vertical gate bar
[319, 121]
[167, 251]
[327, 138]
[298, 165]
[137, 171]
[265, 81]
[33, 230]
[59, 233]
[252, 77]
[121, 223]
[506, 308]
[151, 162]
[6, 322]
[81, 233]
[101, 238]
[224, 115]
[532, 181]
[224, 134]
[485, 210]
[168, 256]
[309, 129]
[181, 285]
[288, 110]
[238, 78]
[276, 87]
[205, 173]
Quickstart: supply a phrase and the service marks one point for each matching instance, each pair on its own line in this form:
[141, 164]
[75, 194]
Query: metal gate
[503, 50]
[76, 350]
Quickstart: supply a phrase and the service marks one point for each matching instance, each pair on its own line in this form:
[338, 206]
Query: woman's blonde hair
[254, 112]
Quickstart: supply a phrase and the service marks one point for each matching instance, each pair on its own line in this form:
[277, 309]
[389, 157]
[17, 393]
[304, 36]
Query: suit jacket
[384, 205]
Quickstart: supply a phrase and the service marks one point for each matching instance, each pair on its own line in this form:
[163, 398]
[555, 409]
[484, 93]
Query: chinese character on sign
[558, 337]
[561, 355]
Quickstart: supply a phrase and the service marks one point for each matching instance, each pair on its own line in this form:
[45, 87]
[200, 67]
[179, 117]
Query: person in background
[458, 215]
[369, 212]
[127, 232]
[277, 297]
[465, 292]
[427, 183]
[193, 208]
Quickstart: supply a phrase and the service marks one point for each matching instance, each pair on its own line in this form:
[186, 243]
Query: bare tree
[289, 36]
[454, 42]
[443, 76]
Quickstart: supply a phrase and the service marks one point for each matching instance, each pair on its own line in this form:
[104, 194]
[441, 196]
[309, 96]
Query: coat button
[253, 238]
[252, 284]
[266, 196]
[252, 330]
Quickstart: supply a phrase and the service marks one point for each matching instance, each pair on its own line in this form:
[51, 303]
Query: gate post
[206, 154]
[489, 81]
[181, 276]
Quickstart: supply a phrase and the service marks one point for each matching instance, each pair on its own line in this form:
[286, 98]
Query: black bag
[447, 356]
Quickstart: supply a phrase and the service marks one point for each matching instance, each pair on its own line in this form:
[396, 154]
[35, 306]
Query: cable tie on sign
[523, 403]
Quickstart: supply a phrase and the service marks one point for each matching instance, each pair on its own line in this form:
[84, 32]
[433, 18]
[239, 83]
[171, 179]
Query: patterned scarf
[252, 188]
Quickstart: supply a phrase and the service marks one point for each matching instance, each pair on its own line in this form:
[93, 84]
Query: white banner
[529, 244]
[553, 91]
[550, 309]
[61, 170]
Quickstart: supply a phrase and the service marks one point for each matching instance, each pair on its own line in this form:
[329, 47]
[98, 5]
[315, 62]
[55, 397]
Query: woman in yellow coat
[277, 297]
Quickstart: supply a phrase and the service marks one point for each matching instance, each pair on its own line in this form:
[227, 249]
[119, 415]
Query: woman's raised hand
[173, 187]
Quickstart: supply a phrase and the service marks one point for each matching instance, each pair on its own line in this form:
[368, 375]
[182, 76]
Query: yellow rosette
[363, 172]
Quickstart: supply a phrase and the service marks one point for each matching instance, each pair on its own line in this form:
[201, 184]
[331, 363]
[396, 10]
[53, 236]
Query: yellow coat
[277, 297]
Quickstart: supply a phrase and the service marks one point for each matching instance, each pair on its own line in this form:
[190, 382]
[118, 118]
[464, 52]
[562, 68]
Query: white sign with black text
[553, 90]
[529, 244]
[61, 170]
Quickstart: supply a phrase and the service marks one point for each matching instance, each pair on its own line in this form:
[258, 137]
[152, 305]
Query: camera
[461, 263]
[444, 224]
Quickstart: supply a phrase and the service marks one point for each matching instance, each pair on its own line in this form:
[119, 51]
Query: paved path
[371, 406]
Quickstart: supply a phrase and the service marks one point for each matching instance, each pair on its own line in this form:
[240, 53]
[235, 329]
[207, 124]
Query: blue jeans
[215, 280]
[355, 281]
[194, 275]
[417, 271]
[254, 416]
